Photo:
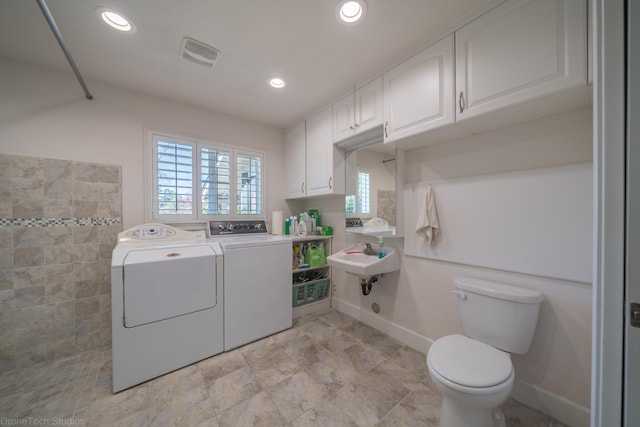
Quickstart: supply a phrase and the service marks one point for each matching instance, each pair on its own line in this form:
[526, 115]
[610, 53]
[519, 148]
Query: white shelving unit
[305, 296]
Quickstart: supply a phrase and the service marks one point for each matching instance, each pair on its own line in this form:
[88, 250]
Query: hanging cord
[63, 46]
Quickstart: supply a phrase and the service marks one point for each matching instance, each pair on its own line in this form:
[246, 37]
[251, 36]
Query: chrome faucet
[368, 250]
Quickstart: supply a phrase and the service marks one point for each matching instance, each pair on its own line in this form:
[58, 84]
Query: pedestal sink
[355, 261]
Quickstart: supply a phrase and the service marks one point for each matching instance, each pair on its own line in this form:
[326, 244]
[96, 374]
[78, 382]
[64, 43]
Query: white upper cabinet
[344, 118]
[359, 111]
[325, 162]
[296, 161]
[520, 51]
[368, 105]
[419, 93]
[522, 60]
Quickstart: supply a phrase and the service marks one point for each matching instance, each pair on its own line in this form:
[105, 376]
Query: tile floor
[328, 370]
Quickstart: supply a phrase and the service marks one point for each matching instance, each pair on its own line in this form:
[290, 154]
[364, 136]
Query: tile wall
[387, 205]
[58, 225]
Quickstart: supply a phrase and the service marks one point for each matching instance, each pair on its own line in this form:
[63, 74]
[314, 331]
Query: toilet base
[452, 415]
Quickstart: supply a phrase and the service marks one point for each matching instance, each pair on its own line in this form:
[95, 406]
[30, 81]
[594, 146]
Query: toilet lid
[468, 362]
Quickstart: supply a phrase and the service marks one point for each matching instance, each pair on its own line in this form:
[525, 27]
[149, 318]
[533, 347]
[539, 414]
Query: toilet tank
[501, 315]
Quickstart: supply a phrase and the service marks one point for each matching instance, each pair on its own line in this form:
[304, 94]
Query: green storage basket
[308, 292]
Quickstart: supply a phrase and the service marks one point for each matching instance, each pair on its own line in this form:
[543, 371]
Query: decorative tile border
[57, 222]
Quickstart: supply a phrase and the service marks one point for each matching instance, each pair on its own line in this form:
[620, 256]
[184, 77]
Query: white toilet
[474, 373]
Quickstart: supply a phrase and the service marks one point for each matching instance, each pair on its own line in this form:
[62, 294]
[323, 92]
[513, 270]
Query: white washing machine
[166, 301]
[257, 281]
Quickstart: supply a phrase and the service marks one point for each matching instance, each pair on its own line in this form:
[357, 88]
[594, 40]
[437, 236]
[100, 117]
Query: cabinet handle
[357, 126]
[461, 102]
[386, 125]
[330, 178]
[352, 128]
[302, 187]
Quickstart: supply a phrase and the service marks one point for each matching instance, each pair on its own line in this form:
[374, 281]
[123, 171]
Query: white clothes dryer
[166, 301]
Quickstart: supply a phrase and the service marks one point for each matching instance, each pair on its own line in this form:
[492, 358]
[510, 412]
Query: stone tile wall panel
[59, 221]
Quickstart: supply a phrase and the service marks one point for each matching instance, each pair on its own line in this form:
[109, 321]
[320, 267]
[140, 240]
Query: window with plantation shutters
[248, 184]
[196, 180]
[215, 179]
[173, 176]
[360, 203]
[364, 192]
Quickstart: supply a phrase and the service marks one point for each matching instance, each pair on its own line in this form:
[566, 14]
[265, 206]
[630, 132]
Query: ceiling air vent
[199, 53]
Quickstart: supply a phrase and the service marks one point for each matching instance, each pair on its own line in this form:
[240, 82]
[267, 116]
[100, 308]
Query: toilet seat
[469, 364]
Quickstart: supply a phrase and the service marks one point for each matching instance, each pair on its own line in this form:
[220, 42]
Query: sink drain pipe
[367, 284]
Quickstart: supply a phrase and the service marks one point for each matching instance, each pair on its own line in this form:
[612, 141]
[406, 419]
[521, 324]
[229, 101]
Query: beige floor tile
[332, 374]
[221, 364]
[391, 375]
[324, 414]
[338, 342]
[305, 351]
[363, 404]
[190, 407]
[233, 388]
[419, 408]
[517, 414]
[132, 403]
[337, 319]
[275, 368]
[360, 357]
[258, 350]
[411, 360]
[328, 370]
[295, 395]
[257, 411]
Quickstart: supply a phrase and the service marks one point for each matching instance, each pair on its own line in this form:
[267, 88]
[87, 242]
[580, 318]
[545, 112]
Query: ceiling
[300, 41]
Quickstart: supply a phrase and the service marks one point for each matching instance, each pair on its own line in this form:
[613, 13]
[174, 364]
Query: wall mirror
[371, 188]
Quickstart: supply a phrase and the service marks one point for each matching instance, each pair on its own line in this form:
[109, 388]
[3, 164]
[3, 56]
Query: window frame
[359, 200]
[151, 188]
[357, 213]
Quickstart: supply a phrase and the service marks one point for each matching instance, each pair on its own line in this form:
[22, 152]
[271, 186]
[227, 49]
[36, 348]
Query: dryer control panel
[159, 232]
[151, 231]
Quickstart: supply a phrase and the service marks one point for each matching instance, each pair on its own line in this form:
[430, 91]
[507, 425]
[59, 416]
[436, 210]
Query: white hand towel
[428, 220]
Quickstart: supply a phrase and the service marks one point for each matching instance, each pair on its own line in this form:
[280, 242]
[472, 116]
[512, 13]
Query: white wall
[555, 374]
[44, 113]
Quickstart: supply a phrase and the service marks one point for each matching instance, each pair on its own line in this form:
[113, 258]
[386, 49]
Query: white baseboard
[402, 334]
[555, 406]
[310, 308]
[563, 410]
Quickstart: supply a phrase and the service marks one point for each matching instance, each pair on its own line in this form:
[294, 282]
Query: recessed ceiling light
[351, 11]
[277, 83]
[115, 19]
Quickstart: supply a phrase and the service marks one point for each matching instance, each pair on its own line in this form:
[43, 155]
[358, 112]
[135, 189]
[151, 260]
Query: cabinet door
[368, 106]
[343, 118]
[519, 51]
[320, 154]
[296, 161]
[418, 94]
